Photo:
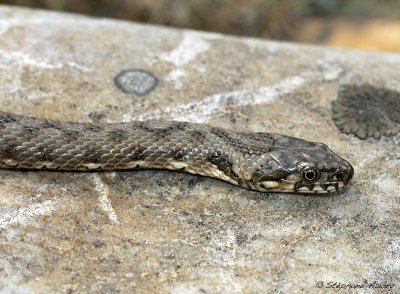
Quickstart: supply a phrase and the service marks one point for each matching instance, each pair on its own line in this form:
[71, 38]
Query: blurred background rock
[359, 24]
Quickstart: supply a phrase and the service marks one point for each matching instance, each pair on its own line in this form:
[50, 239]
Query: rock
[159, 231]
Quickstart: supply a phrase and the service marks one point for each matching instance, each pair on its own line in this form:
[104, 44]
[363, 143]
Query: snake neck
[32, 143]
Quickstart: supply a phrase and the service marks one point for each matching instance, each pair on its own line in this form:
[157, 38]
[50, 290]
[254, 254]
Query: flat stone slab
[160, 231]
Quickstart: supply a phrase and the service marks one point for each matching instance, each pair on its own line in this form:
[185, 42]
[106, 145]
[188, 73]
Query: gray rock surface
[162, 231]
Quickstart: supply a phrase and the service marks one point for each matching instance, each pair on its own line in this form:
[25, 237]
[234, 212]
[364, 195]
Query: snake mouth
[319, 187]
[302, 187]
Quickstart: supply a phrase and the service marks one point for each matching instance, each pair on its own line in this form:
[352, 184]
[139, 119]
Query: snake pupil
[310, 174]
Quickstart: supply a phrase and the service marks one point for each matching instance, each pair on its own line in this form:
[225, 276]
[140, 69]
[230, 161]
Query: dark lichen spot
[367, 111]
[138, 82]
[241, 239]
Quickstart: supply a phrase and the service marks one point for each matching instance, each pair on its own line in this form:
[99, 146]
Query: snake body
[259, 161]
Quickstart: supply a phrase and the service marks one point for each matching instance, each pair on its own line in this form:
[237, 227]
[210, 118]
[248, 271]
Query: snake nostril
[340, 176]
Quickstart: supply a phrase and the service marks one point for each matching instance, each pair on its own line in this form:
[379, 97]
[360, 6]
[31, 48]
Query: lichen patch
[367, 111]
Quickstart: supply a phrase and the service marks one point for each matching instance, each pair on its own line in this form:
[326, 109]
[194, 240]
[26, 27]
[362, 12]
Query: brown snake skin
[258, 161]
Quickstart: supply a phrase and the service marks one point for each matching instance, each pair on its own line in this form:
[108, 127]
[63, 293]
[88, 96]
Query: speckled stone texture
[169, 232]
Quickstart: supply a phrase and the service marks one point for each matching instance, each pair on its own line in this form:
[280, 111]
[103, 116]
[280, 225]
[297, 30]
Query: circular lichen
[367, 111]
[136, 81]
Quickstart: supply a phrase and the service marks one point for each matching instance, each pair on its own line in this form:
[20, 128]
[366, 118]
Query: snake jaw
[295, 184]
[320, 187]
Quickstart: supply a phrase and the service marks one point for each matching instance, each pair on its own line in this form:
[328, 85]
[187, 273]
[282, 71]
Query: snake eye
[310, 174]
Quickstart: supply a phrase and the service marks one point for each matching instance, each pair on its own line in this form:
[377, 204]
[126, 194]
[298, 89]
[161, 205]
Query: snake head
[296, 165]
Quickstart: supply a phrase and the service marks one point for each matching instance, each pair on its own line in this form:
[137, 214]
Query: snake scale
[258, 161]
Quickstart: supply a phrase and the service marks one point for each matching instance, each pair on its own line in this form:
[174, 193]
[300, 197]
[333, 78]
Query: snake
[260, 161]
